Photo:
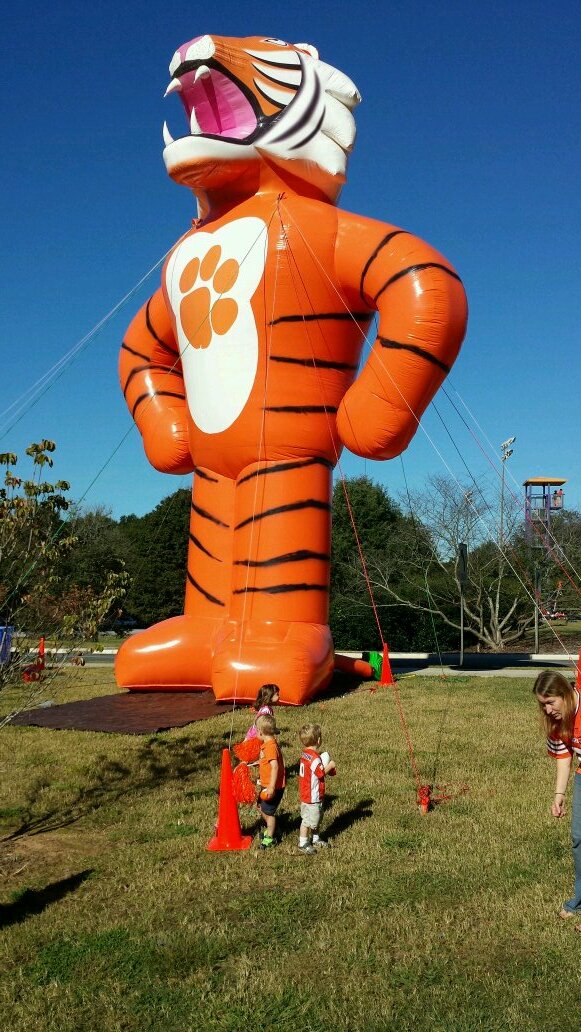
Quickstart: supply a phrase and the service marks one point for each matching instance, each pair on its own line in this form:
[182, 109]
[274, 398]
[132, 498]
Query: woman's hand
[558, 805]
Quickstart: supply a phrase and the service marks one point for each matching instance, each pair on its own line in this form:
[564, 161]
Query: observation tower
[544, 498]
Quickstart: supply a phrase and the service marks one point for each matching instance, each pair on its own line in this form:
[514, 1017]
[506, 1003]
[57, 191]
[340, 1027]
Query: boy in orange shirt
[271, 777]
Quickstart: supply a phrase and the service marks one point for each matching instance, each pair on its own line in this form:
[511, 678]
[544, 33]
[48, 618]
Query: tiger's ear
[308, 48]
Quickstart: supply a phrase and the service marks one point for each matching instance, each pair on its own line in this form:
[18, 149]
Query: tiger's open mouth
[214, 103]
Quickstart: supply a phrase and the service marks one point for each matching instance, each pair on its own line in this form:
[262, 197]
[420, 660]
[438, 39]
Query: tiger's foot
[298, 657]
[174, 655]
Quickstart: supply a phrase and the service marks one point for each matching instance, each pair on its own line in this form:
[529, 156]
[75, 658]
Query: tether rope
[546, 532]
[260, 449]
[549, 550]
[510, 548]
[52, 375]
[395, 689]
[492, 449]
[428, 592]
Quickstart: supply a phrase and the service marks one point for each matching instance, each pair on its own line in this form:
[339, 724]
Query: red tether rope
[423, 791]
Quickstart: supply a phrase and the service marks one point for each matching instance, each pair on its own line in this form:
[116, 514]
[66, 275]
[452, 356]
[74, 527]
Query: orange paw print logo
[204, 310]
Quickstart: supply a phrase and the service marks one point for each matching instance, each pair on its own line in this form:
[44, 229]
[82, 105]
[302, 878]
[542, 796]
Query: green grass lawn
[117, 918]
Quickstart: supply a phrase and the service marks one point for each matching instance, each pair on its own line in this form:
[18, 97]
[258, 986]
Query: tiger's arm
[422, 321]
[151, 377]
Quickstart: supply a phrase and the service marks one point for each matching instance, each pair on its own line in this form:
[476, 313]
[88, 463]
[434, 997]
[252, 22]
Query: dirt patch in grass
[32, 857]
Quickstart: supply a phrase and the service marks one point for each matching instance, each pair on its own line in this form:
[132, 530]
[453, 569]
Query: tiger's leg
[176, 654]
[278, 627]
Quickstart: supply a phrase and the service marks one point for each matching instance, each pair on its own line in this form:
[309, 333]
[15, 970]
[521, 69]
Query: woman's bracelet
[560, 793]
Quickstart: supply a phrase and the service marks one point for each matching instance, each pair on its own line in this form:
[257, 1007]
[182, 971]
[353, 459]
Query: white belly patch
[210, 280]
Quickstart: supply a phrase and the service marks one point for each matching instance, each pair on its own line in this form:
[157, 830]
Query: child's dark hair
[265, 695]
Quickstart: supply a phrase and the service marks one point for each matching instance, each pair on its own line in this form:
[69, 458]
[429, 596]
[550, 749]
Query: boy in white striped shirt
[313, 766]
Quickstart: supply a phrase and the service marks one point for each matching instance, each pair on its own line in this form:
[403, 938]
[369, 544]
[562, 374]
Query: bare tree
[421, 570]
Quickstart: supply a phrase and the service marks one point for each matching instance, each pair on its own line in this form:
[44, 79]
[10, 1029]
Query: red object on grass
[228, 835]
[31, 673]
[424, 798]
[386, 674]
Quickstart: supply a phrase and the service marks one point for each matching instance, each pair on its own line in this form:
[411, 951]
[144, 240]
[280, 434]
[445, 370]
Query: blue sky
[468, 135]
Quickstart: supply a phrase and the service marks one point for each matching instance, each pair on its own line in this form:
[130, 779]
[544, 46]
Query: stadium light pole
[506, 452]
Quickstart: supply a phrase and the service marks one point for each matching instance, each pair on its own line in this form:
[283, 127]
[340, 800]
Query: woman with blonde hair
[560, 705]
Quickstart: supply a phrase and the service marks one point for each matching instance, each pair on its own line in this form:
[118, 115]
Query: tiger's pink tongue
[220, 107]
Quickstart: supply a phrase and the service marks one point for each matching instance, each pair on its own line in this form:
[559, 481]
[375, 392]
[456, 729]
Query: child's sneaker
[307, 848]
[267, 842]
[321, 843]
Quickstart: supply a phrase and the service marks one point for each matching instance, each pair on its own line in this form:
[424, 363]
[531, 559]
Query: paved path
[425, 664]
[511, 664]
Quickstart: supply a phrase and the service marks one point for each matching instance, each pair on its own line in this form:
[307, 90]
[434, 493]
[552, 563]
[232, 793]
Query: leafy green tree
[559, 563]
[32, 535]
[37, 591]
[99, 547]
[382, 528]
[156, 555]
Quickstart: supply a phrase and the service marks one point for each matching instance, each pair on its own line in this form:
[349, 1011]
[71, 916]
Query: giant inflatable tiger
[242, 367]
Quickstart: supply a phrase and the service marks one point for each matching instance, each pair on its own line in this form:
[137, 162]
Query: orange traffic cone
[386, 674]
[228, 835]
[41, 650]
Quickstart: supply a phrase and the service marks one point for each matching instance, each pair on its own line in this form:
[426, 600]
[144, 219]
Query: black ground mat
[129, 713]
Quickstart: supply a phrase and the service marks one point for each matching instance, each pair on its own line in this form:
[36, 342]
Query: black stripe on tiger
[156, 394]
[132, 351]
[281, 589]
[304, 118]
[208, 516]
[196, 541]
[264, 59]
[283, 467]
[315, 363]
[396, 345]
[275, 103]
[206, 594]
[301, 410]
[204, 476]
[292, 87]
[310, 135]
[316, 317]
[162, 343]
[288, 557]
[146, 368]
[416, 268]
[382, 243]
[308, 503]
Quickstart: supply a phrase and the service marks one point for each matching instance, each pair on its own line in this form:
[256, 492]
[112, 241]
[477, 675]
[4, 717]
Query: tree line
[396, 570]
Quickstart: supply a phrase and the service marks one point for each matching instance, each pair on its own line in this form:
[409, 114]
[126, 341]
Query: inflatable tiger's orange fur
[242, 367]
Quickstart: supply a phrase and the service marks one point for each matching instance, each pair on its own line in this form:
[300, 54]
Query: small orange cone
[386, 674]
[228, 835]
